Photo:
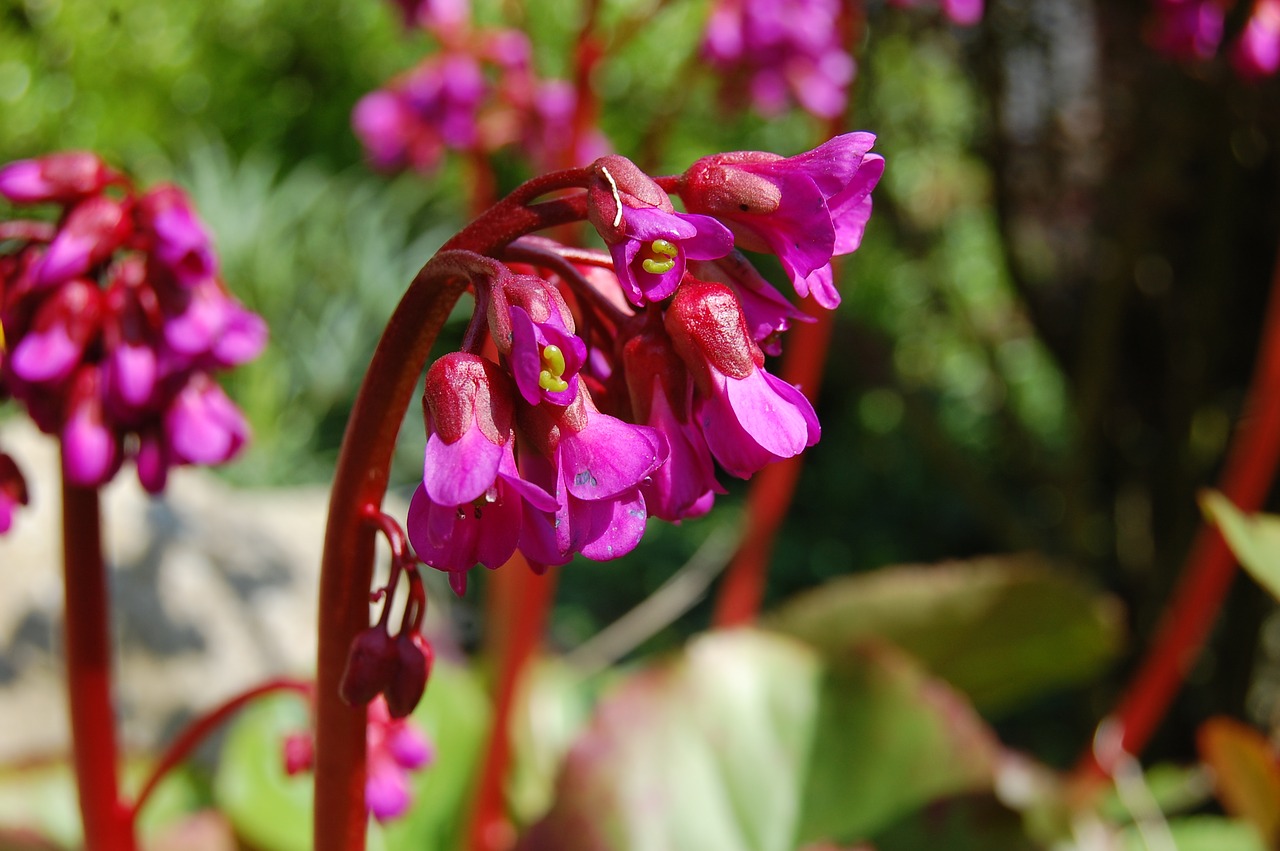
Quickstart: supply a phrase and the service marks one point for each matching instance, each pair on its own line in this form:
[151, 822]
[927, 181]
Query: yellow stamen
[663, 259]
[552, 370]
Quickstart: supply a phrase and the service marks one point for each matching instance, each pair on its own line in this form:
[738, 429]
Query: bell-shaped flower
[91, 233]
[394, 747]
[63, 326]
[661, 396]
[748, 417]
[180, 243]
[62, 178]
[595, 465]
[1257, 52]
[130, 332]
[650, 260]
[805, 209]
[469, 507]
[90, 446]
[202, 425]
[205, 326]
[531, 325]
[13, 491]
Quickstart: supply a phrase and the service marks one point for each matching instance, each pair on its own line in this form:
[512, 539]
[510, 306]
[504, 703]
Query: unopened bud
[619, 182]
[413, 666]
[371, 665]
[58, 178]
[706, 324]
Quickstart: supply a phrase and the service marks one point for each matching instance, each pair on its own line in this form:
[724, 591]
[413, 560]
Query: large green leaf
[1000, 629]
[1255, 539]
[747, 742]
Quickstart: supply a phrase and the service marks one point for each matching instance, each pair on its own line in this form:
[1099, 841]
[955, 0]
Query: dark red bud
[715, 186]
[706, 324]
[463, 388]
[12, 482]
[536, 296]
[618, 183]
[371, 665]
[60, 178]
[299, 753]
[413, 666]
[648, 355]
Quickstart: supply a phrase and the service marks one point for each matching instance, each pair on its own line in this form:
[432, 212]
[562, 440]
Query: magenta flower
[91, 233]
[63, 178]
[748, 417]
[767, 311]
[13, 491]
[202, 425]
[180, 242]
[470, 505]
[1257, 53]
[805, 209]
[1186, 30]
[63, 327]
[90, 447]
[545, 358]
[395, 747]
[595, 465]
[650, 261]
[964, 13]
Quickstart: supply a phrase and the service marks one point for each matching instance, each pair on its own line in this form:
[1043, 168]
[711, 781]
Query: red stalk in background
[360, 482]
[107, 819]
[1246, 480]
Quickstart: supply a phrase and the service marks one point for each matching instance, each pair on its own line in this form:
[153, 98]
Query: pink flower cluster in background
[480, 93]
[623, 377]
[1193, 30]
[115, 321]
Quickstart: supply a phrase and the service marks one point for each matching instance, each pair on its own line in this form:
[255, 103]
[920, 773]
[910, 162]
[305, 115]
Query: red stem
[1246, 480]
[200, 728]
[518, 603]
[360, 481]
[107, 823]
[742, 590]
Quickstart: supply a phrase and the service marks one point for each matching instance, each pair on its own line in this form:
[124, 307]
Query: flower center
[661, 257]
[552, 370]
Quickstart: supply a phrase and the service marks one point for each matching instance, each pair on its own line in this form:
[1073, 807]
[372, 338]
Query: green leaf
[1201, 833]
[745, 742]
[1255, 539]
[1001, 629]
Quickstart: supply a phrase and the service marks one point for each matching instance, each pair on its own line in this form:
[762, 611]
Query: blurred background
[1044, 341]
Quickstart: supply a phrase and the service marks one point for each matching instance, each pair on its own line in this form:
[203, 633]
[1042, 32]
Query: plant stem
[360, 481]
[518, 603]
[107, 822]
[200, 728]
[1247, 477]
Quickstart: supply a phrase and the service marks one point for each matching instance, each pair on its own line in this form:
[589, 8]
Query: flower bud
[299, 753]
[61, 329]
[60, 178]
[413, 665]
[91, 233]
[706, 324]
[463, 390]
[181, 243]
[619, 182]
[90, 448]
[371, 665]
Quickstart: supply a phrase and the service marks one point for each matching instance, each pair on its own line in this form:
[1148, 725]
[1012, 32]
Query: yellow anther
[663, 259]
[552, 370]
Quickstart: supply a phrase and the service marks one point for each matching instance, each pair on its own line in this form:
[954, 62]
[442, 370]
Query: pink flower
[62, 178]
[805, 209]
[1257, 53]
[964, 13]
[469, 508]
[650, 261]
[91, 233]
[202, 425]
[395, 747]
[180, 242]
[748, 417]
[1186, 30]
[545, 358]
[594, 464]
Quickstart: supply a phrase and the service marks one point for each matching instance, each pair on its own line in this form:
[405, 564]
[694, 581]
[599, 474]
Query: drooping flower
[470, 505]
[594, 464]
[395, 747]
[180, 243]
[1257, 52]
[63, 178]
[748, 417]
[650, 261]
[805, 209]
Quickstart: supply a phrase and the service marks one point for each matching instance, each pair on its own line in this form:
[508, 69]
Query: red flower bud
[706, 324]
[371, 665]
[619, 182]
[413, 665]
[62, 178]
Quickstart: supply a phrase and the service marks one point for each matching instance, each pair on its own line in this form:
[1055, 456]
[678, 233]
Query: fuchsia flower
[594, 464]
[471, 503]
[785, 50]
[650, 260]
[115, 319]
[1186, 30]
[395, 747]
[1257, 53]
[748, 417]
[963, 13]
[805, 209]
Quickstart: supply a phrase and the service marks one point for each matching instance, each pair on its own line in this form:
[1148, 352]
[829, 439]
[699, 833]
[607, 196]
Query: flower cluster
[1192, 31]
[114, 322]
[478, 94]
[622, 377]
[779, 52]
[394, 747]
[964, 13]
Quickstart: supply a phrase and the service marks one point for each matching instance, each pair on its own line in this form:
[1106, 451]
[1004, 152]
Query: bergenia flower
[469, 508]
[594, 464]
[650, 261]
[1186, 30]
[63, 178]
[1257, 52]
[180, 243]
[545, 358]
[963, 13]
[91, 233]
[748, 417]
[805, 209]
[395, 747]
[13, 491]
[767, 311]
